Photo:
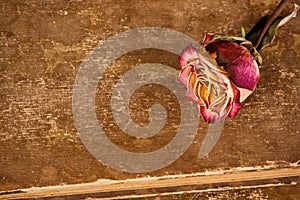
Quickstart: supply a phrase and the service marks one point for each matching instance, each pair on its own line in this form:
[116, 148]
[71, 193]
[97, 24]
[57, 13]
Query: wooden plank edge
[159, 185]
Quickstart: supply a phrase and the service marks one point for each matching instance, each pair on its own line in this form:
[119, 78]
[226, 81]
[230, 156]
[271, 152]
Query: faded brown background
[42, 45]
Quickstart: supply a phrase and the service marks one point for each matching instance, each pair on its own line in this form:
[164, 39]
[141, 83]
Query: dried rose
[220, 84]
[209, 86]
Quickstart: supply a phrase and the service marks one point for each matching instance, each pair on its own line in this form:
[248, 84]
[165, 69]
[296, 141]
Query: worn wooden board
[42, 46]
[226, 183]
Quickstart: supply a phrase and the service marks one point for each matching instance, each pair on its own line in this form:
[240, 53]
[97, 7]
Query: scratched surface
[42, 45]
[284, 192]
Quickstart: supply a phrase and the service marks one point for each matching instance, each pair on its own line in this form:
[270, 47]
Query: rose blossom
[218, 85]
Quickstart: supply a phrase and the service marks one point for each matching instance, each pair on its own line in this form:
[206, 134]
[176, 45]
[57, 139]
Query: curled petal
[184, 74]
[244, 93]
[192, 84]
[208, 37]
[188, 56]
[236, 105]
[237, 61]
[208, 115]
[226, 51]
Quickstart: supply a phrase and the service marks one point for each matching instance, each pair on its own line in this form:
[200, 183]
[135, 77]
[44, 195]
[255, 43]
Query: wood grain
[43, 44]
[164, 185]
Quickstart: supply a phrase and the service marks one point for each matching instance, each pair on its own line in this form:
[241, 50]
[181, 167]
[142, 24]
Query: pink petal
[190, 88]
[188, 55]
[208, 115]
[237, 61]
[226, 51]
[244, 72]
[184, 74]
[236, 105]
[208, 37]
[244, 93]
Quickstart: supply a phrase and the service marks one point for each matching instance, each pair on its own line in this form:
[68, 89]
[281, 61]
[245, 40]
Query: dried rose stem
[272, 17]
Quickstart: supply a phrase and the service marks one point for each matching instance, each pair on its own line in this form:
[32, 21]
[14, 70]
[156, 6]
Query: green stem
[272, 17]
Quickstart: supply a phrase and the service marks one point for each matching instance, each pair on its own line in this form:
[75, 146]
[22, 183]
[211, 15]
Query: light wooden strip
[156, 183]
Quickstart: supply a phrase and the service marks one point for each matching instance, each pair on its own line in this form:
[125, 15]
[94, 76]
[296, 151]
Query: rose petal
[188, 55]
[236, 105]
[244, 93]
[208, 37]
[184, 74]
[226, 51]
[204, 95]
[244, 72]
[191, 83]
[237, 61]
[208, 115]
